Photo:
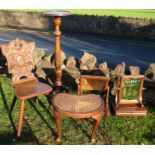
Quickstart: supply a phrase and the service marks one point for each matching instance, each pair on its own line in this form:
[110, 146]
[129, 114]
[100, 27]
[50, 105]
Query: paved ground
[112, 51]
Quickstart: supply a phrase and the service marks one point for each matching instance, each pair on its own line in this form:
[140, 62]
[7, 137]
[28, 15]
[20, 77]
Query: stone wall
[104, 25]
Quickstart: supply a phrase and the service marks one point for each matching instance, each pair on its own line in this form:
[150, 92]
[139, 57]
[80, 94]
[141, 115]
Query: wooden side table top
[57, 13]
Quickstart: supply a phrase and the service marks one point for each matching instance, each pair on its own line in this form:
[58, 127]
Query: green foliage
[39, 126]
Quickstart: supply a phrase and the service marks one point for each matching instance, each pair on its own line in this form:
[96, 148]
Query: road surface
[112, 51]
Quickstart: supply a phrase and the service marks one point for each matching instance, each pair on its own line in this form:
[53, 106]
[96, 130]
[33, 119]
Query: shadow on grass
[11, 138]
[150, 135]
[7, 138]
[150, 106]
[7, 108]
[42, 117]
[45, 109]
[78, 125]
[27, 137]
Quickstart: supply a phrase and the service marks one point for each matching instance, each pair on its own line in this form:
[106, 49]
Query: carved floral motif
[19, 58]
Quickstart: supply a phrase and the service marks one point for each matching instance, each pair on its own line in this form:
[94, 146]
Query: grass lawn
[135, 13]
[39, 126]
[149, 14]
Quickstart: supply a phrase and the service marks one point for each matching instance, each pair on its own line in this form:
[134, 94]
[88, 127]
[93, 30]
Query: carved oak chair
[129, 96]
[82, 105]
[20, 65]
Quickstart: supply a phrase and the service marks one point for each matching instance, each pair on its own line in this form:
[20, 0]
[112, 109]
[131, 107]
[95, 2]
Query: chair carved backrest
[19, 59]
[88, 82]
[130, 91]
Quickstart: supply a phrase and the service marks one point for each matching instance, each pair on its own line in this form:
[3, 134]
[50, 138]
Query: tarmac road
[112, 51]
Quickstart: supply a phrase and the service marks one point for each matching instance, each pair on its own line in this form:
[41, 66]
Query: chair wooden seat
[19, 55]
[78, 104]
[29, 89]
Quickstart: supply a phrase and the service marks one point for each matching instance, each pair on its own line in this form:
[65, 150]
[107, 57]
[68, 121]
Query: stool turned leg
[96, 123]
[58, 124]
[21, 115]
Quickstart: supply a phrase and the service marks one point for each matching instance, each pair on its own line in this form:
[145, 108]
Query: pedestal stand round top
[57, 22]
[57, 13]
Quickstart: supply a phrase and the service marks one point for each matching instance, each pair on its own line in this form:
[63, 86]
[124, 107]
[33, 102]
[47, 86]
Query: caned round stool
[78, 106]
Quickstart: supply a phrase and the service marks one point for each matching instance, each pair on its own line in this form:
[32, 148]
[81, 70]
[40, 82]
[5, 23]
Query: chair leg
[21, 115]
[58, 124]
[107, 110]
[96, 123]
[12, 104]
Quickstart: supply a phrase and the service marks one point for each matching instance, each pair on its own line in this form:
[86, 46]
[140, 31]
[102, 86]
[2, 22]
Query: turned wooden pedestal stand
[58, 62]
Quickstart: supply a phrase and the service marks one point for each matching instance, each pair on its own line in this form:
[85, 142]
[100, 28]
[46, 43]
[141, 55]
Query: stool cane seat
[79, 104]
